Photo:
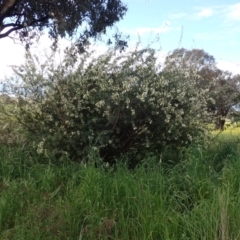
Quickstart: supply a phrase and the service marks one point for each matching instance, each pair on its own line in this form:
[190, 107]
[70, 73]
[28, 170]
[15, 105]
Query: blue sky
[212, 25]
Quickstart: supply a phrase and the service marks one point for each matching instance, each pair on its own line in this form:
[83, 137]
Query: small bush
[116, 104]
[11, 133]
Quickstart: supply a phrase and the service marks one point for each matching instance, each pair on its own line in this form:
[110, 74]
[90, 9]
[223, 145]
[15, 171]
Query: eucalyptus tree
[223, 85]
[227, 96]
[82, 18]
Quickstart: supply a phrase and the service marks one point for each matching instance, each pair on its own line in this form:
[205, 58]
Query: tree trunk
[219, 124]
[223, 112]
[222, 123]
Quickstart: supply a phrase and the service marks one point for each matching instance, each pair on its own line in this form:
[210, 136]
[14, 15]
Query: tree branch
[11, 30]
[9, 25]
[18, 27]
[38, 20]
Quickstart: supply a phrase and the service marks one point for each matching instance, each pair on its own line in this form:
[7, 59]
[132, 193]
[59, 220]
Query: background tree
[226, 95]
[61, 18]
[195, 58]
[224, 87]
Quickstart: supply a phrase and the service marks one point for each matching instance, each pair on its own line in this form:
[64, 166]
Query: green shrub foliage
[117, 103]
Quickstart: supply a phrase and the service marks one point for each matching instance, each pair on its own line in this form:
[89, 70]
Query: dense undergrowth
[117, 104]
[162, 198]
[114, 149]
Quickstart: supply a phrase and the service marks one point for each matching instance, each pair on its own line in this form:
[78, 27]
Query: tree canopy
[224, 86]
[196, 58]
[28, 18]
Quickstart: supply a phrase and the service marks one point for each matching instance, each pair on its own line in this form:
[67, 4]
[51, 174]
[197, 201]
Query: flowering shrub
[117, 103]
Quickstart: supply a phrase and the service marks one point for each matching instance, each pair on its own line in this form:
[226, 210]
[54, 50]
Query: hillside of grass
[162, 198]
[128, 158]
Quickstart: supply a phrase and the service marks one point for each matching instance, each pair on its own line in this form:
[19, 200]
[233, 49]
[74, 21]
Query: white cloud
[233, 12]
[210, 36]
[233, 43]
[14, 54]
[142, 31]
[177, 15]
[229, 66]
[11, 54]
[207, 12]
[145, 30]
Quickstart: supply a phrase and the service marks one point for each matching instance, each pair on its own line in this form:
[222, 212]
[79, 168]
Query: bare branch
[9, 25]
[18, 27]
[10, 31]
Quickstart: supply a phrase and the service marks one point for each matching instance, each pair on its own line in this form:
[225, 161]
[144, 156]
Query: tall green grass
[196, 198]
